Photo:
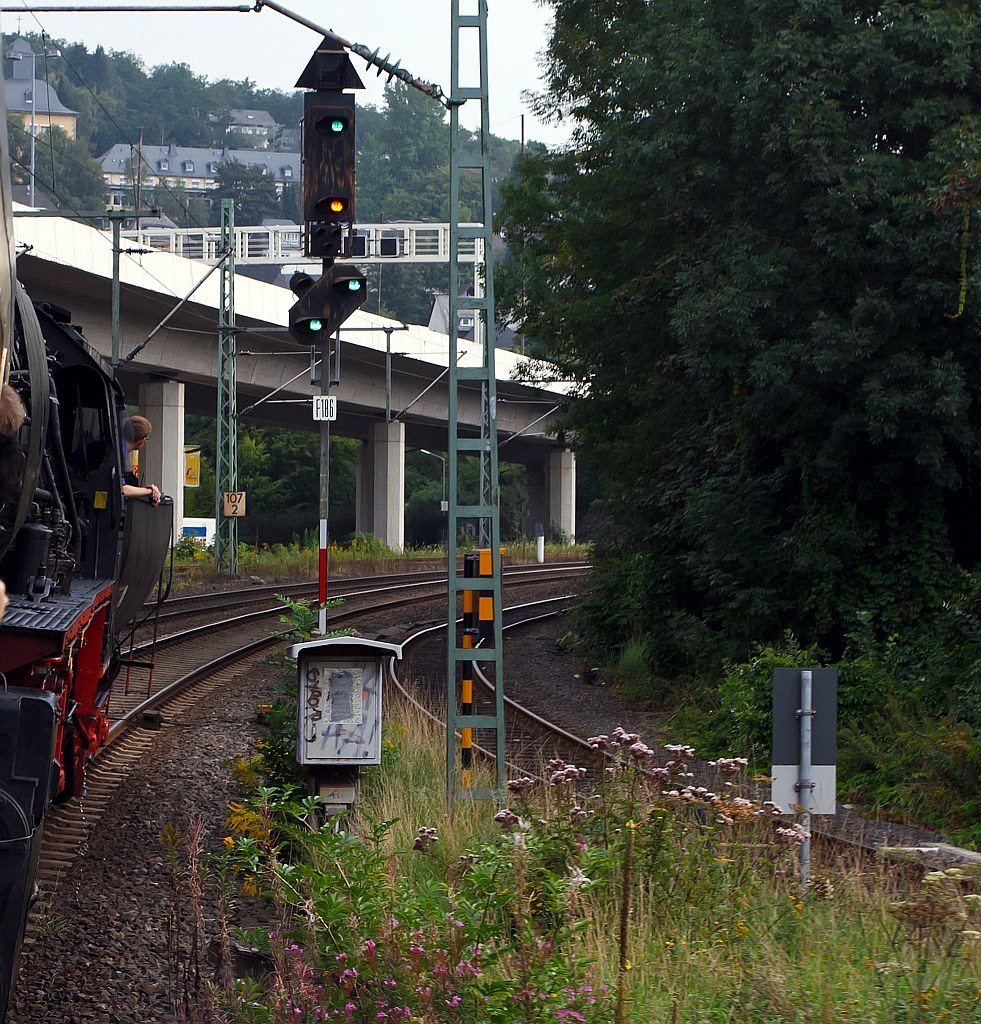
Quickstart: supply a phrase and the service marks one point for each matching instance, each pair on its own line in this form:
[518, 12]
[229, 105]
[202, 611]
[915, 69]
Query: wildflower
[625, 738]
[578, 814]
[519, 785]
[639, 751]
[730, 765]
[599, 742]
[770, 809]
[796, 834]
[562, 773]
[229, 842]
[425, 838]
[680, 751]
[577, 880]
[506, 818]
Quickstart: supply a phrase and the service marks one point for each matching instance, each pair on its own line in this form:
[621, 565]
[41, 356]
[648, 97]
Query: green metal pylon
[487, 512]
[226, 450]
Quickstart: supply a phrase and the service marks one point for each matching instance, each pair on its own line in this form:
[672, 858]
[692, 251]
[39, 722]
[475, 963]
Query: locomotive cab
[64, 544]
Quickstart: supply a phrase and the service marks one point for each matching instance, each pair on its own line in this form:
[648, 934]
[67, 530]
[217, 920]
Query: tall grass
[707, 925]
[362, 556]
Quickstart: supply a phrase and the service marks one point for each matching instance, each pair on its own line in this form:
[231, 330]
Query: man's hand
[154, 495]
[3, 599]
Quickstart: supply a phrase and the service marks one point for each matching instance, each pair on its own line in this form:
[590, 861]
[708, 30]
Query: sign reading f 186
[325, 407]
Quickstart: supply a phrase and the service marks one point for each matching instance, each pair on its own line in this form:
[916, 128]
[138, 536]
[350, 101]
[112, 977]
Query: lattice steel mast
[482, 607]
[226, 448]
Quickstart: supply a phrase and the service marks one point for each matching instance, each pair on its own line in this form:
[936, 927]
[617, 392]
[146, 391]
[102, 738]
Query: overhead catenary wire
[383, 64]
[156, 330]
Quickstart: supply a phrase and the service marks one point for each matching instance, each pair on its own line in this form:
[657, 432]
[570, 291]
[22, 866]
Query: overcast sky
[272, 50]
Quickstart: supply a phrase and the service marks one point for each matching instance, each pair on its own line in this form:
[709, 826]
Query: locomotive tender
[78, 565]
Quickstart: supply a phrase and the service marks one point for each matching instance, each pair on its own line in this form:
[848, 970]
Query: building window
[188, 166]
[287, 172]
[165, 165]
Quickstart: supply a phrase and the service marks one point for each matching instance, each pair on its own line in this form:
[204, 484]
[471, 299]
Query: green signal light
[316, 325]
[337, 125]
[354, 285]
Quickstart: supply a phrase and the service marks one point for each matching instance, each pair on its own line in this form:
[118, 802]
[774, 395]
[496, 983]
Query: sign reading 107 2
[325, 407]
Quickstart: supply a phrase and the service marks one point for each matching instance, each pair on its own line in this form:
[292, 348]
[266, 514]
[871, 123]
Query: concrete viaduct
[70, 264]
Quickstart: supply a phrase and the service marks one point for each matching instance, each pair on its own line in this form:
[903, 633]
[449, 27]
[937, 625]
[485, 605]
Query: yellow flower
[229, 842]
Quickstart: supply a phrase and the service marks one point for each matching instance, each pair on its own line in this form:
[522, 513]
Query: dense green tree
[64, 170]
[116, 96]
[253, 190]
[751, 261]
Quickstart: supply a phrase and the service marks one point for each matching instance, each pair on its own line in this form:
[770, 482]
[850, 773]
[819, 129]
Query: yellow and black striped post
[470, 565]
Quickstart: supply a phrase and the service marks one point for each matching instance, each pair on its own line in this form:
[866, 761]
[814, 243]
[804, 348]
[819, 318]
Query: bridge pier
[380, 490]
[162, 458]
[552, 494]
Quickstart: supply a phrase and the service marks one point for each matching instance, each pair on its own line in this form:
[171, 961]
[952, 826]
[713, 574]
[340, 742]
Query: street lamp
[19, 56]
[425, 451]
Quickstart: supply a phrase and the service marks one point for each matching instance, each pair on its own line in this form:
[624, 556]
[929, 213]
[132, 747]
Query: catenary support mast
[482, 607]
[226, 449]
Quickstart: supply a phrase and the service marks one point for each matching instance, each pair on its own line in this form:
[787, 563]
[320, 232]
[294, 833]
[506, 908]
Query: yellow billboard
[192, 465]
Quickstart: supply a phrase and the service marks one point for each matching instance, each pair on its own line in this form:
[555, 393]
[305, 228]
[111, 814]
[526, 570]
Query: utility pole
[226, 442]
[33, 123]
[116, 221]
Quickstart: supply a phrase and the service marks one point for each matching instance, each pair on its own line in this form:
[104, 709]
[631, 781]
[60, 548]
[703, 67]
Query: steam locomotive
[78, 564]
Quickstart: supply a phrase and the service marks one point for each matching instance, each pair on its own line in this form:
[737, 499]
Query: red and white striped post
[322, 624]
[325, 377]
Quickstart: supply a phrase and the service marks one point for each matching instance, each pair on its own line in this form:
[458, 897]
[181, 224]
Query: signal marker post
[805, 746]
[328, 218]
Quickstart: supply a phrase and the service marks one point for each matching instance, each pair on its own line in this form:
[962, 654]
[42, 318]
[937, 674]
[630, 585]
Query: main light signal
[328, 151]
[324, 305]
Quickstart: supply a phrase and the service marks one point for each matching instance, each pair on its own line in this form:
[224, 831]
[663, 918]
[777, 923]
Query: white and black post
[805, 747]
[805, 786]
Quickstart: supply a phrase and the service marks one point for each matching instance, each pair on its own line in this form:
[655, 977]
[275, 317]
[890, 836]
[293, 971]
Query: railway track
[340, 586]
[532, 740]
[182, 648]
[190, 664]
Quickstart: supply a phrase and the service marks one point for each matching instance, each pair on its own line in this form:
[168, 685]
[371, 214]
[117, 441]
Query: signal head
[349, 283]
[334, 205]
[300, 283]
